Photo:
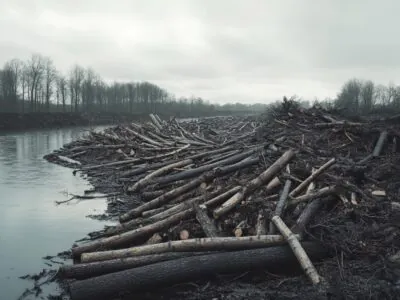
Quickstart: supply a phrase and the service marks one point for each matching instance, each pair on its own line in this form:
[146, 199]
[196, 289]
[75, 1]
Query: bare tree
[62, 90]
[49, 79]
[35, 71]
[77, 76]
[367, 96]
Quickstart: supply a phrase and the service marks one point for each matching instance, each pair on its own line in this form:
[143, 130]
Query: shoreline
[110, 178]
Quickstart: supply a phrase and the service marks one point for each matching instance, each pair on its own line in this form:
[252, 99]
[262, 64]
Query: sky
[221, 50]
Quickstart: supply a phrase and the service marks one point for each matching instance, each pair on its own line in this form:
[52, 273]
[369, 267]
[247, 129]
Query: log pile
[221, 195]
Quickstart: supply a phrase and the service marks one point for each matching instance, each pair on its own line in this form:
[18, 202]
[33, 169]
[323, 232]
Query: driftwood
[145, 181]
[379, 145]
[128, 238]
[310, 178]
[298, 250]
[185, 269]
[93, 269]
[199, 244]
[313, 195]
[266, 176]
[281, 204]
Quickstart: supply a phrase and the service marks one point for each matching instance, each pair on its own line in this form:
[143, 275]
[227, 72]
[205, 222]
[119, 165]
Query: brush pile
[291, 188]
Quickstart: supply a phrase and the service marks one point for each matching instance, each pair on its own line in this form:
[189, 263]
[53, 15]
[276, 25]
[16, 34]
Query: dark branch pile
[330, 183]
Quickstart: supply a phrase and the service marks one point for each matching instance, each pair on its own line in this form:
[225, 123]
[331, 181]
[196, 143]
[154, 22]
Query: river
[31, 224]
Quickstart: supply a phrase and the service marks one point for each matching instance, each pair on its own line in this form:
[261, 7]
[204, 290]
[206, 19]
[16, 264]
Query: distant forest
[37, 86]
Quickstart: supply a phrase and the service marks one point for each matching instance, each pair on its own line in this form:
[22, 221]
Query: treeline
[364, 97]
[36, 85]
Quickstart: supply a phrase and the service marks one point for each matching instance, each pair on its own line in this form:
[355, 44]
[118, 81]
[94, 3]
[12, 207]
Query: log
[142, 137]
[146, 168]
[254, 184]
[308, 213]
[130, 237]
[161, 215]
[206, 223]
[316, 194]
[310, 178]
[379, 145]
[155, 122]
[112, 164]
[168, 273]
[198, 244]
[297, 249]
[93, 269]
[281, 204]
[261, 223]
[222, 197]
[146, 180]
[69, 160]
[188, 174]
[136, 212]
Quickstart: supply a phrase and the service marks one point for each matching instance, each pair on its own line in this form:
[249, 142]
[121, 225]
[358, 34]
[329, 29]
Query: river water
[31, 224]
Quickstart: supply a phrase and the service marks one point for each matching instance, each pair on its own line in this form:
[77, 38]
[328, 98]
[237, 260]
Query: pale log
[144, 181]
[168, 273]
[128, 238]
[298, 250]
[379, 145]
[310, 178]
[254, 184]
[165, 198]
[316, 194]
[199, 244]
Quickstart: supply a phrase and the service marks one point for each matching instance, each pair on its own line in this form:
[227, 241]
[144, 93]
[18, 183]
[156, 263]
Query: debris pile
[294, 187]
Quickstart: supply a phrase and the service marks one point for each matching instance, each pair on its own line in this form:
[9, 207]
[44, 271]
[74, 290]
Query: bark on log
[142, 137]
[380, 143]
[186, 269]
[112, 164]
[146, 168]
[256, 183]
[310, 178]
[281, 204]
[222, 197]
[146, 180]
[198, 171]
[128, 238]
[155, 121]
[146, 196]
[93, 269]
[316, 194]
[163, 214]
[206, 223]
[199, 244]
[136, 212]
[298, 250]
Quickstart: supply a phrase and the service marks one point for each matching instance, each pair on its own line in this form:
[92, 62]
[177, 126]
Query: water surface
[31, 224]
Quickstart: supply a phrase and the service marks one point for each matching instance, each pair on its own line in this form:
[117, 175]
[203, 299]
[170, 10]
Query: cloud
[222, 50]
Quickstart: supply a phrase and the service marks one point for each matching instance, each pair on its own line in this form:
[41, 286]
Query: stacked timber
[190, 198]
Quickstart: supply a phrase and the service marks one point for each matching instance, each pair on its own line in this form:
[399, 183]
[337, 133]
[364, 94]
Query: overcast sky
[221, 50]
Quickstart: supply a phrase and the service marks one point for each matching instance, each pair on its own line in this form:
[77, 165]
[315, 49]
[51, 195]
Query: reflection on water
[31, 225]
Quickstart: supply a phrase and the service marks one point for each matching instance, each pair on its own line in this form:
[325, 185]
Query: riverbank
[55, 120]
[193, 197]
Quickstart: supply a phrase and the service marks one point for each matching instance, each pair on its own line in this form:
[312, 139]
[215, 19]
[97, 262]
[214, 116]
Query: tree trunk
[168, 273]
[130, 237]
[197, 244]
